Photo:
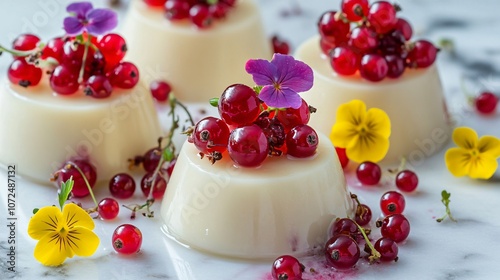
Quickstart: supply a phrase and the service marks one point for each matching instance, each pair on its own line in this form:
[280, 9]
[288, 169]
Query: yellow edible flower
[364, 134]
[63, 234]
[474, 157]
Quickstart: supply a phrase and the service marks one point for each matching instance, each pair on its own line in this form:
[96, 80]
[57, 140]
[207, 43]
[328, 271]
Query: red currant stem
[136, 207]
[375, 255]
[84, 59]
[16, 52]
[191, 120]
[85, 180]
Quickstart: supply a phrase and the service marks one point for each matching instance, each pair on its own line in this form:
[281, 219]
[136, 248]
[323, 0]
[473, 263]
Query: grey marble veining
[464, 250]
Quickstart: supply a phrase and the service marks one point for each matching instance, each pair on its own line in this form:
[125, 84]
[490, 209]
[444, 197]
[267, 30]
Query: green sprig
[66, 188]
[445, 199]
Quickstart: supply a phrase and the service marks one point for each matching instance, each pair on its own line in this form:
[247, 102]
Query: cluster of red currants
[371, 39]
[250, 131]
[200, 12]
[93, 63]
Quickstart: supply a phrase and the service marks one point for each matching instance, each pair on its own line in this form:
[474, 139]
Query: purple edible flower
[85, 18]
[281, 79]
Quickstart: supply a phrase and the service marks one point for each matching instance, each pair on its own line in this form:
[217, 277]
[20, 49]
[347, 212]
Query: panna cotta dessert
[90, 105]
[362, 54]
[257, 182]
[196, 58]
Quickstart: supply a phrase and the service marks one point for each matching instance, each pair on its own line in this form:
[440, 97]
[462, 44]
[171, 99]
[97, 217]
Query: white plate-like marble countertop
[468, 249]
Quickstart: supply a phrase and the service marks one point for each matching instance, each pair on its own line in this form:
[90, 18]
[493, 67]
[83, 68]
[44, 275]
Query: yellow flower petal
[51, 250]
[484, 167]
[353, 112]
[465, 137]
[342, 133]
[378, 121]
[82, 241]
[489, 145]
[45, 221]
[371, 148]
[75, 216]
[457, 161]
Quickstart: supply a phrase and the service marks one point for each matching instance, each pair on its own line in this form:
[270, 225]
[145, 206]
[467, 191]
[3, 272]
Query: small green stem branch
[86, 44]
[86, 182]
[16, 52]
[374, 255]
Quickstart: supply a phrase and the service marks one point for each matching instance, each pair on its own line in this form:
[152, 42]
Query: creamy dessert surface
[199, 64]
[42, 130]
[282, 207]
[414, 102]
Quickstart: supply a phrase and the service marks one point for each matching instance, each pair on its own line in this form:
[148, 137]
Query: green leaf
[445, 197]
[257, 89]
[66, 188]
[35, 210]
[168, 154]
[214, 102]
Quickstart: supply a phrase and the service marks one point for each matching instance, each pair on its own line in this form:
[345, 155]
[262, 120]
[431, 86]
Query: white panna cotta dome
[415, 104]
[40, 130]
[284, 206]
[198, 63]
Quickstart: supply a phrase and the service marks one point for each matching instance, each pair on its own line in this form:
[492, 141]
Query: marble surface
[467, 249]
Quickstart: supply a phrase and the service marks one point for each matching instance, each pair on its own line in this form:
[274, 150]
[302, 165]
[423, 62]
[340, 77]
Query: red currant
[125, 75]
[122, 186]
[25, 42]
[280, 46]
[24, 74]
[239, 105]
[486, 103]
[341, 251]
[63, 80]
[387, 248]
[211, 135]
[405, 28]
[151, 159]
[248, 146]
[218, 10]
[200, 15]
[382, 17]
[333, 28]
[369, 173]
[344, 60]
[160, 90]
[422, 55]
[287, 267]
[113, 47]
[354, 10]
[127, 239]
[302, 141]
[395, 227]
[98, 86]
[373, 67]
[155, 3]
[344, 226]
[160, 185]
[396, 66]
[392, 202]
[80, 188]
[407, 181]
[363, 39]
[72, 56]
[108, 208]
[291, 118]
[177, 9]
[54, 48]
[363, 214]
[344, 160]
[327, 46]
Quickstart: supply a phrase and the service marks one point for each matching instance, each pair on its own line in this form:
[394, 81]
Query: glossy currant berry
[392, 202]
[200, 16]
[405, 28]
[159, 186]
[122, 186]
[344, 160]
[396, 66]
[291, 118]
[369, 173]
[211, 135]
[382, 17]
[422, 55]
[406, 181]
[127, 239]
[332, 28]
[80, 188]
[273, 129]
[279, 45]
[160, 90]
[387, 248]
[392, 43]
[63, 80]
[344, 226]
[125, 75]
[218, 10]
[395, 227]
[327, 46]
[54, 48]
[25, 42]
[24, 74]
[155, 3]
[373, 67]
[341, 251]
[176, 9]
[363, 214]
[113, 47]
[486, 103]
[354, 10]
[108, 208]
[344, 60]
[151, 159]
[287, 267]
[248, 146]
[302, 141]
[363, 39]
[239, 105]
[98, 86]
[72, 56]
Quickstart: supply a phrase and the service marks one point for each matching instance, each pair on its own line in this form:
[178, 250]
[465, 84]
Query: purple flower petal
[284, 98]
[80, 9]
[293, 74]
[262, 71]
[101, 21]
[73, 26]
